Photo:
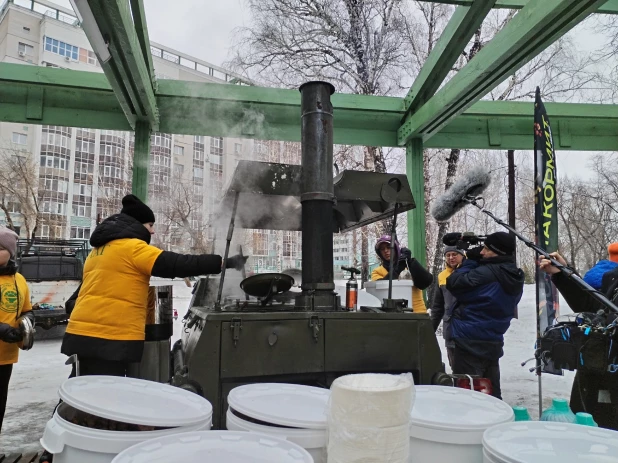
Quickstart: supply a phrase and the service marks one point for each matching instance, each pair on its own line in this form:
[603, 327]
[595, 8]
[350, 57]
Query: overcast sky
[204, 29]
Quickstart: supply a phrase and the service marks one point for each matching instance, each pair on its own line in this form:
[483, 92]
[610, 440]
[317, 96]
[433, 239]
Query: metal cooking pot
[27, 330]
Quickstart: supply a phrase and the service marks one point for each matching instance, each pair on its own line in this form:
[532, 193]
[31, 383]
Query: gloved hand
[474, 253]
[402, 264]
[10, 334]
[236, 262]
[451, 239]
[405, 253]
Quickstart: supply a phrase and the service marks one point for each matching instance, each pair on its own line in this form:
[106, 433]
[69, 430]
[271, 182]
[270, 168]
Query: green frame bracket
[464, 22]
[34, 103]
[141, 29]
[534, 28]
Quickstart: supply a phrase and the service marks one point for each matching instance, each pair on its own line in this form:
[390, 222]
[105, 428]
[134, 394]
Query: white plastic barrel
[549, 442]
[447, 423]
[125, 400]
[215, 447]
[286, 411]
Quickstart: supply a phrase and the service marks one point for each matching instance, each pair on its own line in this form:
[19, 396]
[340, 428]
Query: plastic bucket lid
[215, 447]
[550, 442]
[135, 401]
[306, 438]
[291, 405]
[457, 410]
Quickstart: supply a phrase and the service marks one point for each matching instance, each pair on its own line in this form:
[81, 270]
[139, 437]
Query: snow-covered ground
[40, 371]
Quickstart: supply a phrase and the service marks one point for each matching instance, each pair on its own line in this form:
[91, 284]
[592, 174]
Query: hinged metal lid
[290, 405]
[135, 401]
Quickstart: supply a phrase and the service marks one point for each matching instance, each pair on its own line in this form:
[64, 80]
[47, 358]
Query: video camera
[463, 240]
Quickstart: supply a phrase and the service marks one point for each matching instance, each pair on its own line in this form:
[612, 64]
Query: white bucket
[549, 442]
[287, 411]
[402, 289]
[448, 423]
[215, 447]
[125, 400]
[312, 440]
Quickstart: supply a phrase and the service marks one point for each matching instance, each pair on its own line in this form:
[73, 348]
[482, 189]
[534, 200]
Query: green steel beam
[611, 7]
[69, 98]
[534, 28]
[38, 95]
[461, 27]
[127, 70]
[416, 217]
[141, 160]
[141, 29]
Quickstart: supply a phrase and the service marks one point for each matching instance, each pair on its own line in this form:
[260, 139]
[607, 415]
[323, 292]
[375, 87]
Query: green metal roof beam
[127, 70]
[141, 28]
[611, 7]
[532, 30]
[461, 27]
[37, 95]
[68, 98]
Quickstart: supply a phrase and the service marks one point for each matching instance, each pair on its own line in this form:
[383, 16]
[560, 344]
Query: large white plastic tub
[215, 447]
[126, 400]
[402, 289]
[549, 442]
[293, 412]
[448, 423]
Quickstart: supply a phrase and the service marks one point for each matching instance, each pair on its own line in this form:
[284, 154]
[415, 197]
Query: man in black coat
[594, 393]
[487, 287]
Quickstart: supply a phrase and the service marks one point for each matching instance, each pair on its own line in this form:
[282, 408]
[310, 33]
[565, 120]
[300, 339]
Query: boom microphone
[453, 200]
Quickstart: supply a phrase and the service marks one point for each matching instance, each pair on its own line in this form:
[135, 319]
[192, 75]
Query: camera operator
[592, 392]
[487, 287]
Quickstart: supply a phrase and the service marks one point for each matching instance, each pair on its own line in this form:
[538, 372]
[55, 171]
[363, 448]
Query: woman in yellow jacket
[421, 278]
[14, 304]
[106, 327]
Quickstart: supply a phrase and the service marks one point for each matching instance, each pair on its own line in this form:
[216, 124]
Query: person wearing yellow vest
[106, 327]
[403, 259]
[441, 308]
[14, 304]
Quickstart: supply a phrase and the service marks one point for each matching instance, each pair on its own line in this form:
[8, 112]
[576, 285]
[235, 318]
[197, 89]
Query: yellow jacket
[14, 301]
[418, 303]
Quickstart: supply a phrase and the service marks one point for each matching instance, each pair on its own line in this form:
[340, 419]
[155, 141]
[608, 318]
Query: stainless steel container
[156, 359]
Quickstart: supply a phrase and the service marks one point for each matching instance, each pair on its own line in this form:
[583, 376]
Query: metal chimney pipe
[317, 197]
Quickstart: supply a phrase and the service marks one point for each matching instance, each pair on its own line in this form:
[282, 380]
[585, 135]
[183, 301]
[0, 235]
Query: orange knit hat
[613, 252]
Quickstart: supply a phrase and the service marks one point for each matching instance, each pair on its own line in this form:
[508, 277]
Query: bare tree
[19, 192]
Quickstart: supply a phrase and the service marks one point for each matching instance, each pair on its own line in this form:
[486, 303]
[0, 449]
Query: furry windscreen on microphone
[473, 183]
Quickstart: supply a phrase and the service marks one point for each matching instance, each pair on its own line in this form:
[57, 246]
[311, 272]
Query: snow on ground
[40, 371]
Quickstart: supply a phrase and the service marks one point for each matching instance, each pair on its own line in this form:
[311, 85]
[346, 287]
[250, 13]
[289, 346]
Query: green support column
[416, 217]
[141, 159]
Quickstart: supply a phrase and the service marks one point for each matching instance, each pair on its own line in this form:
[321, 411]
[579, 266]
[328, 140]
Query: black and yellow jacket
[109, 315]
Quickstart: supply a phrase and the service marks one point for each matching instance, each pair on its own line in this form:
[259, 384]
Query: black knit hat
[133, 206]
[501, 243]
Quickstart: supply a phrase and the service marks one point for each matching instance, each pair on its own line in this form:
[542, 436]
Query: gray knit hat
[454, 249]
[8, 240]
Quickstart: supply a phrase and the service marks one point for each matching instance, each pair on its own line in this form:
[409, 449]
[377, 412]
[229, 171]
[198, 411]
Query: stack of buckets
[369, 418]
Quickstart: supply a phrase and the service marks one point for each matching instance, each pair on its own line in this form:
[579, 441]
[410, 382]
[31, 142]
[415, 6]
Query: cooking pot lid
[135, 401]
[266, 284]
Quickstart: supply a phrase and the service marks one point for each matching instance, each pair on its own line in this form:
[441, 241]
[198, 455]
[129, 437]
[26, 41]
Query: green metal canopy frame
[129, 97]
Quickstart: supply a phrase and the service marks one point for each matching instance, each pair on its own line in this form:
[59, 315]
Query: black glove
[405, 253]
[475, 253]
[236, 262]
[10, 334]
[451, 239]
